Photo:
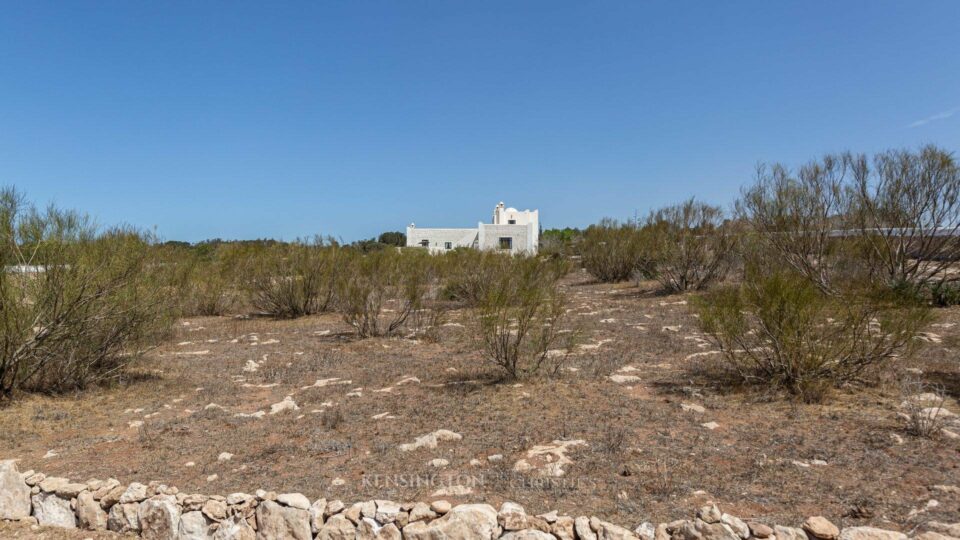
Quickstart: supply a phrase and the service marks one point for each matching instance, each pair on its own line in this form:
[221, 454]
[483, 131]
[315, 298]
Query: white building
[512, 231]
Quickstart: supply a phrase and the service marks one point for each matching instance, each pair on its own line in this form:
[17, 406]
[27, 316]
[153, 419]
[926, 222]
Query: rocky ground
[633, 429]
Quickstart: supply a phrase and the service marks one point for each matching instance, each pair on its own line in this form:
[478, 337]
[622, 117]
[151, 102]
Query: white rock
[288, 404]
[295, 500]
[235, 528]
[282, 522]
[548, 459]
[195, 526]
[693, 407]
[474, 521]
[123, 518]
[430, 440]
[870, 533]
[51, 510]
[14, 492]
[159, 518]
[134, 493]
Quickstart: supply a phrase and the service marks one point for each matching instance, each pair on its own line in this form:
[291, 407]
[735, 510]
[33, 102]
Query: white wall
[490, 235]
[437, 238]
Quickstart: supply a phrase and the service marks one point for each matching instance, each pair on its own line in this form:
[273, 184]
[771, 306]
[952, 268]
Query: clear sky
[279, 119]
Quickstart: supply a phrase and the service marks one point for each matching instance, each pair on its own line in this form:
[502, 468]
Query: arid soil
[637, 393]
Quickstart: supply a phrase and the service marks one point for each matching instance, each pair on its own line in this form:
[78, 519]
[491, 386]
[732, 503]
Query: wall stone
[158, 512]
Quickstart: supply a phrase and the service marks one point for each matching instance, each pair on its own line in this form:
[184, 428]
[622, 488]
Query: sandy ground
[647, 453]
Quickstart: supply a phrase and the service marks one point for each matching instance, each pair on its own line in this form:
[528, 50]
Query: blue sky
[278, 119]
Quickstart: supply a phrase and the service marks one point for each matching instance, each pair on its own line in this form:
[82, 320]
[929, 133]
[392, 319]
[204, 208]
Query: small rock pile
[158, 512]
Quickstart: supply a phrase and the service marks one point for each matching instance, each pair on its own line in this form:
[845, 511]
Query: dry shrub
[518, 318]
[379, 291]
[468, 273]
[293, 280]
[690, 250]
[923, 409]
[78, 304]
[779, 329]
[839, 219]
[612, 252]
[208, 280]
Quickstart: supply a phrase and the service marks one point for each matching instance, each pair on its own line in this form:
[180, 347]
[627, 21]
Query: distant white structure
[512, 231]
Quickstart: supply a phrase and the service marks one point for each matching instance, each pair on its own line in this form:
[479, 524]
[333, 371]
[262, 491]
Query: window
[511, 222]
[425, 243]
[506, 242]
[448, 245]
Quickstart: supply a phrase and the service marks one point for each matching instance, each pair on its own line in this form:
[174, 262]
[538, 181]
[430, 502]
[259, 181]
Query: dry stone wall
[158, 512]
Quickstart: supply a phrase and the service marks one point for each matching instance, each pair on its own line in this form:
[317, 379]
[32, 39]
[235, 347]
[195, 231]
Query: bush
[779, 329]
[77, 304]
[293, 280]
[379, 291]
[840, 220]
[792, 218]
[518, 317]
[907, 213]
[945, 294]
[613, 252]
[689, 248]
[208, 282]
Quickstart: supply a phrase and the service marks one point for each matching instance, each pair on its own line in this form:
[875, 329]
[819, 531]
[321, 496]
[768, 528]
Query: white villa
[512, 231]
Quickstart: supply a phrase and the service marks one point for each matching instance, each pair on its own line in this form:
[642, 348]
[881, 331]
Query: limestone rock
[646, 531]
[465, 521]
[512, 517]
[870, 533]
[369, 529]
[239, 498]
[789, 533]
[699, 529]
[820, 527]
[134, 493]
[430, 440]
[582, 527]
[563, 528]
[548, 459]
[276, 522]
[333, 507]
[89, 514]
[527, 534]
[294, 500]
[50, 483]
[49, 509]
[737, 525]
[192, 502]
[123, 518]
[421, 511]
[195, 526]
[440, 507]
[710, 514]
[949, 529]
[14, 492]
[760, 530]
[387, 511]
[317, 509]
[609, 531]
[235, 528]
[930, 535]
[33, 479]
[215, 510]
[159, 518]
[110, 497]
[337, 527]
